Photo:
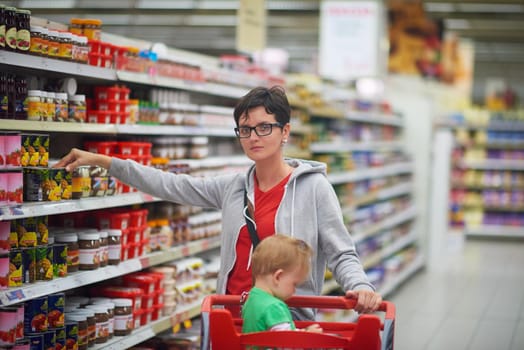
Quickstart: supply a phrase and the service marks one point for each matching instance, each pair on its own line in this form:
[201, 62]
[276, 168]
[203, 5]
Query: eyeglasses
[264, 129]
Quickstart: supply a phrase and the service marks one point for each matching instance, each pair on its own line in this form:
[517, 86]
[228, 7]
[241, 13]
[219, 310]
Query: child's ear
[277, 275]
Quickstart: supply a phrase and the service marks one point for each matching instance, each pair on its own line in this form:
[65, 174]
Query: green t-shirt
[262, 311]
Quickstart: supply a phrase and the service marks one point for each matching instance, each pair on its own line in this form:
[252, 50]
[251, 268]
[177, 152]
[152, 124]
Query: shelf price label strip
[16, 295]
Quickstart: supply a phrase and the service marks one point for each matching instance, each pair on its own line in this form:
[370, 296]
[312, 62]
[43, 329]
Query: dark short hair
[273, 99]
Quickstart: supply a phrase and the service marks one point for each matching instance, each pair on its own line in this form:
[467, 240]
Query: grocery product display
[486, 197]
[86, 261]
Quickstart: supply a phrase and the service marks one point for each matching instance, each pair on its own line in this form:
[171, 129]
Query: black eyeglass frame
[254, 128]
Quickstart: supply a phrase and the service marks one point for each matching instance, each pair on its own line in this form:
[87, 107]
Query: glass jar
[23, 34]
[66, 46]
[76, 26]
[61, 111]
[123, 316]
[2, 26]
[89, 250]
[50, 104]
[54, 44]
[91, 324]
[77, 108]
[102, 322]
[104, 248]
[81, 320]
[34, 105]
[114, 246]
[110, 308]
[36, 41]
[44, 37]
[92, 28]
[10, 28]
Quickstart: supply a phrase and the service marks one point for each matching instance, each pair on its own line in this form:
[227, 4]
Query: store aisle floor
[474, 299]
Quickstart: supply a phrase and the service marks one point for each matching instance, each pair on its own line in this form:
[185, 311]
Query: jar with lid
[104, 248]
[102, 322]
[61, 107]
[81, 320]
[81, 182]
[71, 239]
[2, 26]
[50, 106]
[92, 28]
[91, 324]
[34, 105]
[44, 37]
[77, 108]
[35, 48]
[76, 26]
[66, 46]
[54, 44]
[23, 34]
[123, 316]
[83, 49]
[10, 28]
[110, 307]
[89, 250]
[114, 246]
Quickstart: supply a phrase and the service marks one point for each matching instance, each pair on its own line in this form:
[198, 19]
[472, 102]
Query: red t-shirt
[266, 204]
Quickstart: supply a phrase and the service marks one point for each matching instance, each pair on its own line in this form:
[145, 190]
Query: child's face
[288, 281]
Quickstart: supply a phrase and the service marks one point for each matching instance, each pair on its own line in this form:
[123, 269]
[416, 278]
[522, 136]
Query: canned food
[60, 259]
[99, 181]
[8, 323]
[55, 314]
[34, 178]
[35, 315]
[29, 261]
[81, 182]
[16, 268]
[44, 263]
[4, 272]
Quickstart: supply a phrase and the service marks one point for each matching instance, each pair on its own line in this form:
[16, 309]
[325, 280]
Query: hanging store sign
[349, 40]
[251, 26]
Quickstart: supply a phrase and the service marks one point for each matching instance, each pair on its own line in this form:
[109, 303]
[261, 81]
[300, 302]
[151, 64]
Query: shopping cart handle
[313, 301]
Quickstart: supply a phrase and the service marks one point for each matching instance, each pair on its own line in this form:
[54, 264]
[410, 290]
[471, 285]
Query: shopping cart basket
[220, 331]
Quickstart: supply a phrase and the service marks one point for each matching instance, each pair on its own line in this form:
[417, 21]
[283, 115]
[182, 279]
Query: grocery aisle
[474, 300]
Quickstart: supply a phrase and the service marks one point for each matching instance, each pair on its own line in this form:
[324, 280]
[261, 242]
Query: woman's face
[259, 148]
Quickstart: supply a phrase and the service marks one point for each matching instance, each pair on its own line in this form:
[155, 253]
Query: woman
[285, 195]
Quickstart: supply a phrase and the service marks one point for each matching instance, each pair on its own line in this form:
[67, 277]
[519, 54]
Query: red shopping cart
[221, 331]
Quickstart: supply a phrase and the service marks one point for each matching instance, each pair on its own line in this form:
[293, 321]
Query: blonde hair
[280, 252]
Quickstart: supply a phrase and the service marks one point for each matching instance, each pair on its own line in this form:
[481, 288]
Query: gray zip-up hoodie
[309, 210]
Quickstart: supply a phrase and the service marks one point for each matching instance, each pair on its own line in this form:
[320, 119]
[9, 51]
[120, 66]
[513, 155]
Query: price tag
[205, 244]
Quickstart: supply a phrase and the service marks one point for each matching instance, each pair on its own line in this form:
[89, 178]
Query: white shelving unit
[409, 214]
[38, 66]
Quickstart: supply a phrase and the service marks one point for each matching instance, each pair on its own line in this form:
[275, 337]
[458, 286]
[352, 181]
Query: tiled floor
[474, 299]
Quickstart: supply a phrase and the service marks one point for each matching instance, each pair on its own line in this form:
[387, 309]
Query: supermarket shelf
[505, 145]
[374, 118]
[171, 130]
[25, 210]
[389, 222]
[376, 257]
[295, 152]
[385, 193]
[29, 125]
[495, 208]
[495, 232]
[152, 329]
[331, 285]
[340, 146]
[129, 129]
[221, 90]
[370, 173]
[462, 186]
[61, 67]
[326, 112]
[82, 278]
[498, 164]
[492, 126]
[407, 272]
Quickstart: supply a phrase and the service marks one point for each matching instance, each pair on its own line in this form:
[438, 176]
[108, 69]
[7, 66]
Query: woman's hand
[367, 300]
[77, 157]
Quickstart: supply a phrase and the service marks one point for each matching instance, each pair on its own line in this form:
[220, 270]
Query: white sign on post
[251, 26]
[349, 39]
